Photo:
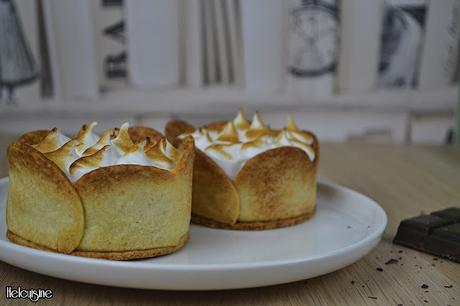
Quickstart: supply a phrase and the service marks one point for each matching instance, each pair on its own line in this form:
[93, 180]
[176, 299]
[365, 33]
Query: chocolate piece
[451, 213]
[437, 233]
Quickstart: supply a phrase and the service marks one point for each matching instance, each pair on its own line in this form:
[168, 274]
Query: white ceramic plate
[346, 226]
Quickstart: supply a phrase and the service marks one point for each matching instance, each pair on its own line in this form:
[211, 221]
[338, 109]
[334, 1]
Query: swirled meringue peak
[232, 144]
[88, 151]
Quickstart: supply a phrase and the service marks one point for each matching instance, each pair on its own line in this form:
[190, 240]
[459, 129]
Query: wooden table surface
[405, 180]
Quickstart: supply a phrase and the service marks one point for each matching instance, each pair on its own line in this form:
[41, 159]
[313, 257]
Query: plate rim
[140, 264]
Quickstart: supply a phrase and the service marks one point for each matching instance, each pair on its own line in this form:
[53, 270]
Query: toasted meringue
[229, 133]
[103, 141]
[240, 121]
[86, 137]
[239, 141]
[168, 149]
[257, 128]
[156, 154]
[87, 152]
[102, 158]
[65, 155]
[53, 141]
[123, 142]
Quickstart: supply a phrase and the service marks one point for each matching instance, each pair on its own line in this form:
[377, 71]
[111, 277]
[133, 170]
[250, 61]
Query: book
[153, 31]
[109, 23]
[72, 48]
[193, 44]
[440, 47]
[19, 53]
[263, 43]
[221, 42]
[359, 50]
[402, 38]
[312, 47]
[211, 75]
[234, 41]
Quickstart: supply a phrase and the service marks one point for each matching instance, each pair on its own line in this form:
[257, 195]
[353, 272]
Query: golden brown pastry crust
[123, 255]
[254, 226]
[100, 203]
[61, 228]
[262, 200]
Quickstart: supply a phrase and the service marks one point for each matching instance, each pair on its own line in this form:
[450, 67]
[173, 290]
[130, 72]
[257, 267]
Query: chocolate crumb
[433, 265]
[391, 251]
[435, 258]
[400, 258]
[399, 305]
[427, 291]
[372, 297]
[352, 282]
[362, 286]
[425, 301]
[400, 251]
[391, 261]
[379, 269]
[425, 286]
[448, 286]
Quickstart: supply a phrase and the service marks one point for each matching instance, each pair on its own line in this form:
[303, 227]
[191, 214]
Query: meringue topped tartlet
[249, 176]
[124, 194]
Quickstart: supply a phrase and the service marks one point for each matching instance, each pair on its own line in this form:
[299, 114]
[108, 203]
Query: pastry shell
[118, 212]
[275, 188]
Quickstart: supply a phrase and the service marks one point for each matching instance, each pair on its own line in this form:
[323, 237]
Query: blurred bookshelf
[222, 101]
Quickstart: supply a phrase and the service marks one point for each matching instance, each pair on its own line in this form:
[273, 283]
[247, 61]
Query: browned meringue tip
[103, 141]
[90, 161]
[257, 123]
[256, 143]
[257, 128]
[168, 149]
[240, 120]
[49, 143]
[123, 141]
[229, 133]
[155, 153]
[219, 149]
[65, 155]
[291, 124]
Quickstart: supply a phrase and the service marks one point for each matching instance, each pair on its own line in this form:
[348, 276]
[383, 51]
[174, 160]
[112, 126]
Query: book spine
[110, 43]
[193, 44]
[262, 27]
[234, 41]
[440, 50]
[72, 45]
[153, 33]
[360, 37]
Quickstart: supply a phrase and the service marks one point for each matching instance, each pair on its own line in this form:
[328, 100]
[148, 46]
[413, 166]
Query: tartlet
[123, 195]
[248, 176]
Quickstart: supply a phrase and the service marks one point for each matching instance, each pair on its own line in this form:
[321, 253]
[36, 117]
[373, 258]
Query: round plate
[346, 226]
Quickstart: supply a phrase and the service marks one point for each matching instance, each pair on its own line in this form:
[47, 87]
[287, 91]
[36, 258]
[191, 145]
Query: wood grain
[405, 180]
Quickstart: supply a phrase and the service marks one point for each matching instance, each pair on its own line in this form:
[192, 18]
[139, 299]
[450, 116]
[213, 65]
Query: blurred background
[382, 71]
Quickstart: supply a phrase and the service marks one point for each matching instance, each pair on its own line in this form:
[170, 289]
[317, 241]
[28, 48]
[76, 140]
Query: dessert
[249, 176]
[123, 195]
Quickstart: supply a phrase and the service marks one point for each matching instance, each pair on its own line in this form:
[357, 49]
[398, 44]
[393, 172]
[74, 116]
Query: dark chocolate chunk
[391, 261]
[424, 286]
[437, 233]
[451, 213]
[424, 223]
[379, 269]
